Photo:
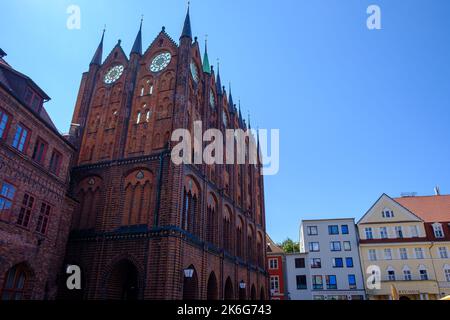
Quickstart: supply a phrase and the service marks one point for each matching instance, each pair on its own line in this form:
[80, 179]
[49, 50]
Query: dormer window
[438, 231]
[387, 213]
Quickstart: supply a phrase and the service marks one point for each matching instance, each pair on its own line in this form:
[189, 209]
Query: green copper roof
[206, 65]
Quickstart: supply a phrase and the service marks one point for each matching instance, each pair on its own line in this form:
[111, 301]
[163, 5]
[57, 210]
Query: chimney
[437, 191]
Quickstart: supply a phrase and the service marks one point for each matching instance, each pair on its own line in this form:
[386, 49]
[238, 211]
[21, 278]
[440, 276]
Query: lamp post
[189, 273]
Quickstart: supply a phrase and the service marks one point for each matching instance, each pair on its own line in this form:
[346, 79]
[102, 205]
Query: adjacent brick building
[276, 259]
[35, 211]
[147, 228]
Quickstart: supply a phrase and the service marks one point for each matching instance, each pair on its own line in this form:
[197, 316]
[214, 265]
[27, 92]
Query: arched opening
[229, 294]
[242, 291]
[262, 295]
[404, 298]
[122, 284]
[17, 283]
[253, 293]
[212, 292]
[190, 284]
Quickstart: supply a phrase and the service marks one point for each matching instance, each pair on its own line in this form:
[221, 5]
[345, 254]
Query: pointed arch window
[15, 284]
[138, 118]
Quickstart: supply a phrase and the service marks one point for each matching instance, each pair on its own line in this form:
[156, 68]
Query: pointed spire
[97, 59]
[240, 113]
[230, 98]
[137, 46]
[249, 125]
[218, 82]
[206, 65]
[187, 32]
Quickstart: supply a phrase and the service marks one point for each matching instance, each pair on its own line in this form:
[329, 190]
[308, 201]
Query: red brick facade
[143, 221]
[35, 211]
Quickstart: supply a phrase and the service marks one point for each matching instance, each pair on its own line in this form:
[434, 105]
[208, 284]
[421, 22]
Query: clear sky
[360, 112]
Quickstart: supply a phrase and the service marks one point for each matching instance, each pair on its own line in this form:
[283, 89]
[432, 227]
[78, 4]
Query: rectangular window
[387, 254]
[300, 263]
[423, 275]
[372, 255]
[333, 230]
[316, 263]
[349, 262]
[44, 216]
[399, 232]
[347, 246]
[447, 274]
[40, 149]
[275, 284]
[403, 254]
[55, 162]
[20, 138]
[391, 275]
[317, 282]
[344, 229]
[7, 193]
[414, 232]
[407, 275]
[443, 253]
[383, 233]
[331, 282]
[314, 247]
[338, 263]
[312, 231]
[335, 246]
[369, 233]
[352, 281]
[25, 210]
[438, 232]
[301, 283]
[273, 264]
[419, 253]
[4, 119]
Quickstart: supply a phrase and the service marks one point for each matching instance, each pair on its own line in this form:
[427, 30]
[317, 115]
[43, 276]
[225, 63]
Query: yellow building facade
[405, 248]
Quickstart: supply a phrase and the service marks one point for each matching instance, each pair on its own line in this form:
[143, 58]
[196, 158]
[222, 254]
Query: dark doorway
[212, 292]
[123, 282]
[262, 295]
[229, 294]
[190, 286]
[253, 293]
[242, 291]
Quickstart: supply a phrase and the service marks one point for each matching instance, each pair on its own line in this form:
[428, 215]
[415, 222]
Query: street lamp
[189, 273]
[242, 285]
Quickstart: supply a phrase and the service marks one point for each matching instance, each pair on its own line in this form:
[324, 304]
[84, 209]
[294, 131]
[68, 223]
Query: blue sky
[360, 112]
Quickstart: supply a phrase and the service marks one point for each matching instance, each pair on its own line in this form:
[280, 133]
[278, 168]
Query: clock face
[194, 72]
[160, 62]
[212, 100]
[114, 74]
[225, 119]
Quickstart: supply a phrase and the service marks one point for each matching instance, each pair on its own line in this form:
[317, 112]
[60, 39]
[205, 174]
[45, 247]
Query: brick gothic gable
[141, 215]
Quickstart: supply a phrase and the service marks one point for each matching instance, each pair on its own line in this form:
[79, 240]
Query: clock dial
[212, 100]
[160, 62]
[114, 74]
[225, 119]
[194, 72]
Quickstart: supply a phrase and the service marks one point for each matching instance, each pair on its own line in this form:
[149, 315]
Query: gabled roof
[384, 197]
[428, 208]
[16, 82]
[272, 247]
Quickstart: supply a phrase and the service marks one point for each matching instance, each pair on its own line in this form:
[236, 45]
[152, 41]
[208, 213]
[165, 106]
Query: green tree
[289, 246]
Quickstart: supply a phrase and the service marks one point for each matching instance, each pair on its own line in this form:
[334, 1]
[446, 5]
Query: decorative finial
[119, 42]
[142, 18]
[195, 39]
[163, 28]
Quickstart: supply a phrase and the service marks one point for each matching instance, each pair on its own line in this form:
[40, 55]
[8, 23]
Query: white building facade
[332, 263]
